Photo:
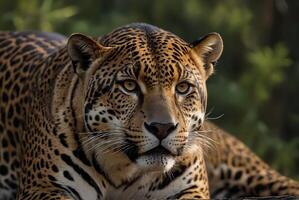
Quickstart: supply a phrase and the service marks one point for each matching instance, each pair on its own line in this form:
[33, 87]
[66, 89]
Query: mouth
[159, 150]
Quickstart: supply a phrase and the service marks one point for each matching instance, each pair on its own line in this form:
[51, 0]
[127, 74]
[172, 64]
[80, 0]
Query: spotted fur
[234, 171]
[71, 128]
[105, 118]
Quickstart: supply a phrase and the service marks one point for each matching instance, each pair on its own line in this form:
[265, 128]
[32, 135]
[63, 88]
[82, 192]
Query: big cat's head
[144, 93]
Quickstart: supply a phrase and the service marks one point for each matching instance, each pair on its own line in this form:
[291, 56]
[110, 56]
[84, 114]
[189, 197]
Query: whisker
[111, 140]
[88, 138]
[210, 112]
[215, 118]
[202, 138]
[112, 149]
[102, 147]
[206, 143]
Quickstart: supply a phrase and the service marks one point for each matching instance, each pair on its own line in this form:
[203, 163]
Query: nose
[160, 130]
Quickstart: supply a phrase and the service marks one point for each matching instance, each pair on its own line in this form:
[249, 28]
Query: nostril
[172, 128]
[152, 129]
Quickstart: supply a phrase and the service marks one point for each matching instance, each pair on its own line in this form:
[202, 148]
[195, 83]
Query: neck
[67, 101]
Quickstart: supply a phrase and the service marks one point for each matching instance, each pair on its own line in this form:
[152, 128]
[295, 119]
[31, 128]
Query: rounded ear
[83, 50]
[209, 48]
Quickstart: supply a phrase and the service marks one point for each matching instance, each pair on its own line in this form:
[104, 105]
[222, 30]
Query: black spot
[67, 175]
[16, 122]
[195, 177]
[259, 188]
[222, 176]
[4, 143]
[111, 112]
[6, 156]
[4, 97]
[56, 152]
[62, 138]
[49, 143]
[195, 160]
[55, 168]
[42, 163]
[51, 178]
[250, 179]
[281, 188]
[105, 89]
[238, 175]
[3, 170]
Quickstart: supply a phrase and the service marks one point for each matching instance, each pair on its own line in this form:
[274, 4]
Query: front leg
[65, 184]
[66, 178]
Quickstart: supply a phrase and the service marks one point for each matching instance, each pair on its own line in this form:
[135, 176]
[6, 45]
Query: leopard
[120, 116]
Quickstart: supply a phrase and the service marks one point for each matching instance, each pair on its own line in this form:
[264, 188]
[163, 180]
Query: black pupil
[183, 88]
[130, 85]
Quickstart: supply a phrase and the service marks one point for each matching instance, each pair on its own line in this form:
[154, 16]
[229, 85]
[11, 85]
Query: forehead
[156, 54]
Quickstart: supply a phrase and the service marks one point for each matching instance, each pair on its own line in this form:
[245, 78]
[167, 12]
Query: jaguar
[118, 116]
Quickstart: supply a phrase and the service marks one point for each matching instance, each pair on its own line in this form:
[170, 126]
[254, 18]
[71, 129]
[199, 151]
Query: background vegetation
[254, 93]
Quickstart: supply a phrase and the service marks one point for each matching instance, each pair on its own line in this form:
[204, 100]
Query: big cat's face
[150, 118]
[143, 104]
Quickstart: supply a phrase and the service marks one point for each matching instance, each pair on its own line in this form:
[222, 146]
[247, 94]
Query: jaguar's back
[20, 55]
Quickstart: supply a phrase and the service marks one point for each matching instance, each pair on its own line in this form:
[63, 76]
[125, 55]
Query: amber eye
[129, 85]
[183, 88]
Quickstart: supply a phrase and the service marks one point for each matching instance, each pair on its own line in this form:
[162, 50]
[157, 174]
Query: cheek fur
[124, 104]
[101, 116]
[192, 110]
[196, 120]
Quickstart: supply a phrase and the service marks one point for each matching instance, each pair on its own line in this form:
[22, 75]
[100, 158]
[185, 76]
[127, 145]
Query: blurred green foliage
[256, 83]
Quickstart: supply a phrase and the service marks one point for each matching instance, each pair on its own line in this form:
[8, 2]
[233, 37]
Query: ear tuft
[209, 48]
[83, 50]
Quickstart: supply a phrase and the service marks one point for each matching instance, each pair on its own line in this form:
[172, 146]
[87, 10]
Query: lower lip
[158, 151]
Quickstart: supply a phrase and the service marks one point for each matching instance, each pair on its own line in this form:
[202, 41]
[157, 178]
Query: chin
[155, 163]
